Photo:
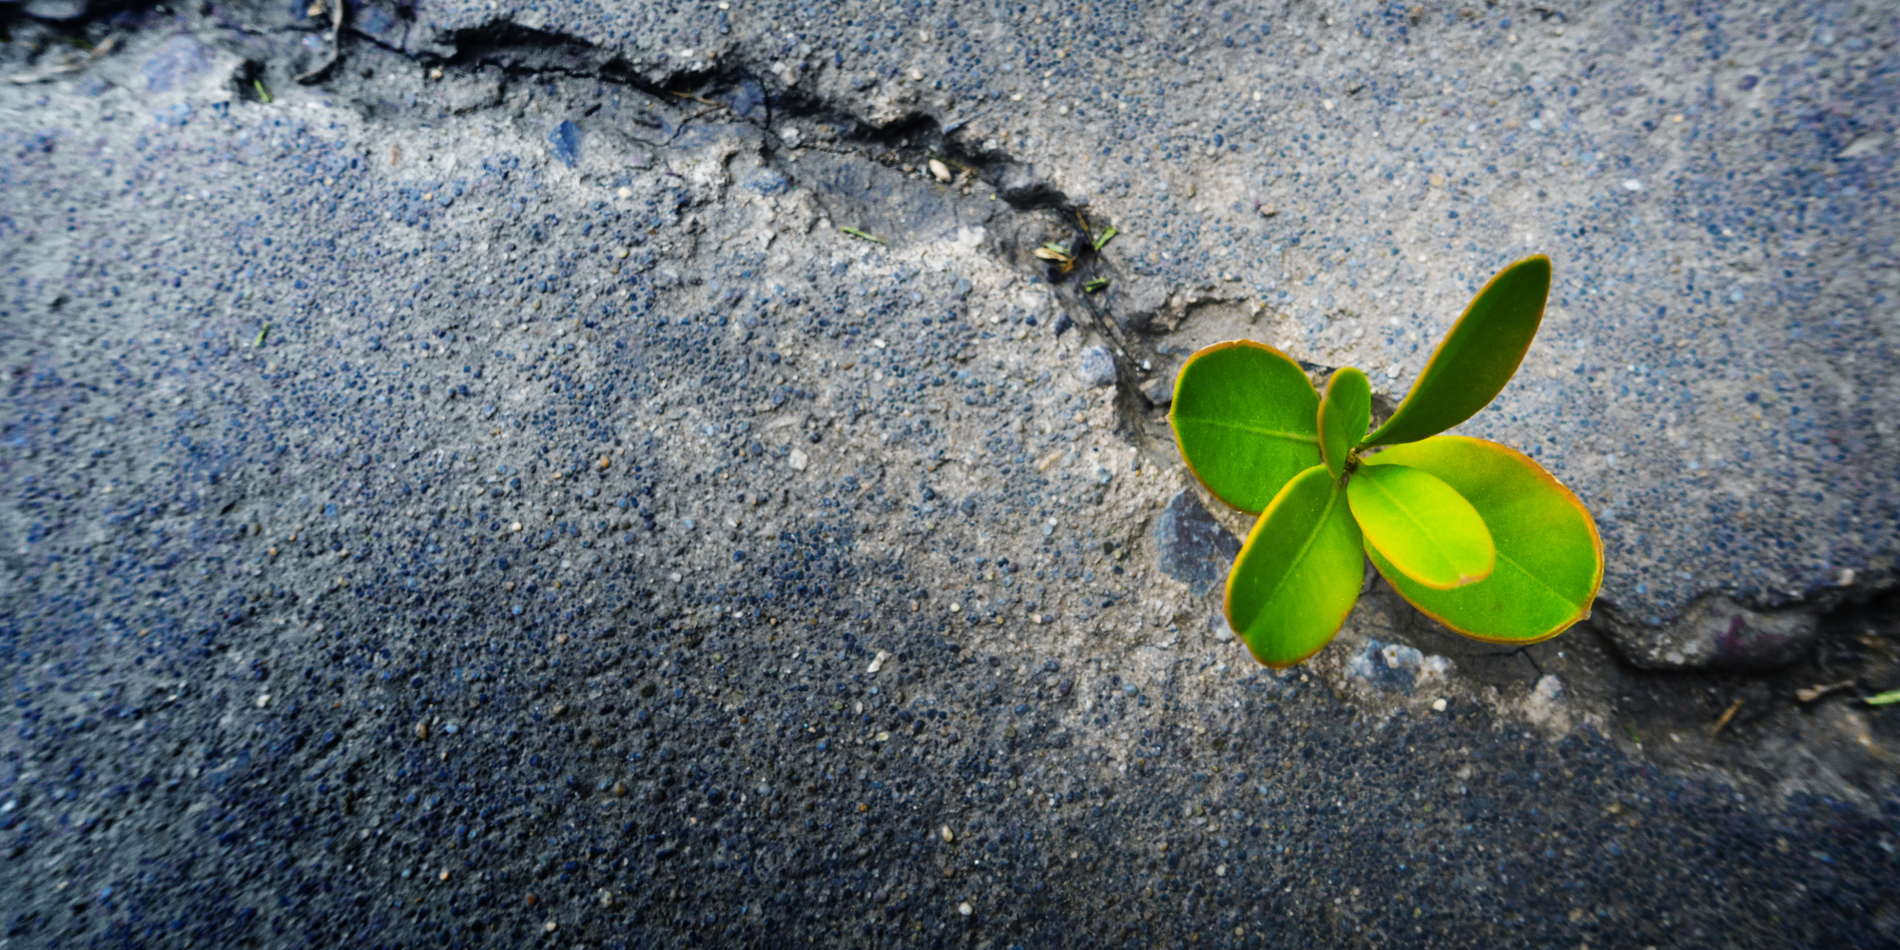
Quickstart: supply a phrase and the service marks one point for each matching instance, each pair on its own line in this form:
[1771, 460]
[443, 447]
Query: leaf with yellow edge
[1549, 556]
[1299, 573]
[1244, 415]
[1421, 526]
[1343, 414]
[1477, 357]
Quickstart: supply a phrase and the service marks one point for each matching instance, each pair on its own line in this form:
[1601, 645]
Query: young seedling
[1472, 533]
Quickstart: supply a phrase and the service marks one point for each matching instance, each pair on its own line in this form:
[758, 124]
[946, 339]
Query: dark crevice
[914, 139]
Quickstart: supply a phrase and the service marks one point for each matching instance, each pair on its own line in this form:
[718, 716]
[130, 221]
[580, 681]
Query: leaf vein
[1270, 433]
[1554, 592]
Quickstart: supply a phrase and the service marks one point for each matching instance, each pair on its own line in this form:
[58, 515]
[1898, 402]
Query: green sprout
[1473, 533]
[1098, 283]
[854, 232]
[1106, 236]
[262, 92]
[1887, 698]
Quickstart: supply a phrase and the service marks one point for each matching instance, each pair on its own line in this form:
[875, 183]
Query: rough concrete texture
[484, 497]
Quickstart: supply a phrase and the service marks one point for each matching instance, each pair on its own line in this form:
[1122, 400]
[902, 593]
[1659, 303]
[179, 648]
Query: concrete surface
[482, 497]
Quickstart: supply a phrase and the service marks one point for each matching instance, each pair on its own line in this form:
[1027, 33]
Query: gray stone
[1716, 633]
[1191, 546]
[1391, 666]
[381, 25]
[767, 181]
[1095, 367]
[57, 10]
[1159, 391]
[179, 59]
[565, 140]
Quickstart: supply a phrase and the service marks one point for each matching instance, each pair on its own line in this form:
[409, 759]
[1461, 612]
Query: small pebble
[948, 835]
[1096, 367]
[422, 730]
[965, 909]
[1438, 705]
[940, 171]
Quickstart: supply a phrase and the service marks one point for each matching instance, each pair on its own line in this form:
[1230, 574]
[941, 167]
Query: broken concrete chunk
[462, 96]
[1716, 633]
[1143, 306]
[1191, 546]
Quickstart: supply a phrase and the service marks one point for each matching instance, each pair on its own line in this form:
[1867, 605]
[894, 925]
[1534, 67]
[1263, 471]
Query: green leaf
[1885, 699]
[1478, 356]
[1549, 557]
[1299, 573]
[1244, 417]
[1343, 414]
[1421, 526]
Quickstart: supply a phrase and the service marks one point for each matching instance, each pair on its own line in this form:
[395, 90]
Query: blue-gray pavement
[500, 506]
[1711, 185]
